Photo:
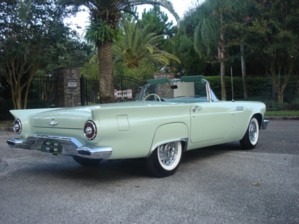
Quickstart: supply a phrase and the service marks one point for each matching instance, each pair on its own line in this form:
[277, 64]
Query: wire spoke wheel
[251, 137]
[165, 159]
[253, 132]
[168, 155]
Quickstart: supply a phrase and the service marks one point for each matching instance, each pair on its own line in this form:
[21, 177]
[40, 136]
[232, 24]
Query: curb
[282, 118]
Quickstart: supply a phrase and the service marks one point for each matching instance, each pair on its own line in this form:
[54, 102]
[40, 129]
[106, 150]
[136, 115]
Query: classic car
[169, 116]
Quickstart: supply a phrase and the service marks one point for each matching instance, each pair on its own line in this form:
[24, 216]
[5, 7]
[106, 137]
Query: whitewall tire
[251, 137]
[165, 159]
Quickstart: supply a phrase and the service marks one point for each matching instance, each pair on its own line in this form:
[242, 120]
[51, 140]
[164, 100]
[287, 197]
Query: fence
[43, 92]
[126, 89]
[89, 91]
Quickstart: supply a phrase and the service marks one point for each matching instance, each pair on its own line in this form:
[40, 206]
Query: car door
[210, 121]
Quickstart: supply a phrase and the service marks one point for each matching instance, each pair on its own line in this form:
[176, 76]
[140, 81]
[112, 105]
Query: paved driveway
[222, 184]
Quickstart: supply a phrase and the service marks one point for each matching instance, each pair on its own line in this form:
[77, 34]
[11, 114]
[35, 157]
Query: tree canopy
[266, 28]
[275, 39]
[104, 20]
[32, 37]
[262, 35]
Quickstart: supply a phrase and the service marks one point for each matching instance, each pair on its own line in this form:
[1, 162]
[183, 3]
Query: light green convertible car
[169, 117]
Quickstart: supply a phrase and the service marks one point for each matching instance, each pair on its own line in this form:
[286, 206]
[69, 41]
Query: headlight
[90, 130]
[17, 126]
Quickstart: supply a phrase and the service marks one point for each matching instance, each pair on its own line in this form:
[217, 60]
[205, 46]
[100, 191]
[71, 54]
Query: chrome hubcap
[253, 132]
[167, 153]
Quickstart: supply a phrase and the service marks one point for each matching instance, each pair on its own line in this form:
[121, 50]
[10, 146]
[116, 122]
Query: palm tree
[138, 44]
[210, 33]
[104, 18]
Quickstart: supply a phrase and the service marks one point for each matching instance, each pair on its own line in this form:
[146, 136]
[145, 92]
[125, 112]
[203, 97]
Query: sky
[180, 6]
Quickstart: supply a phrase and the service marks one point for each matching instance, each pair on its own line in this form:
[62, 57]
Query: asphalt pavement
[220, 184]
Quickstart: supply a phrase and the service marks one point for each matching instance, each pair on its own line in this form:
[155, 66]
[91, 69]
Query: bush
[259, 88]
[6, 105]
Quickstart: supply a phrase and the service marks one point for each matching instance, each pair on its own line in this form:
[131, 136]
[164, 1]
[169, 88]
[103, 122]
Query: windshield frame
[210, 95]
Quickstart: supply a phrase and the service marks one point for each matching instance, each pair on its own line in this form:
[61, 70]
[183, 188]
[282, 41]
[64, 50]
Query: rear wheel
[86, 162]
[165, 159]
[250, 139]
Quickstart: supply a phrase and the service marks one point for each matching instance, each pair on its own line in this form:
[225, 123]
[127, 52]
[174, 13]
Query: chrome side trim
[70, 146]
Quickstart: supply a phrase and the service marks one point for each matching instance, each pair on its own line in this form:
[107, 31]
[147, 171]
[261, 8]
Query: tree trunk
[222, 58]
[106, 72]
[280, 82]
[280, 97]
[244, 75]
[222, 74]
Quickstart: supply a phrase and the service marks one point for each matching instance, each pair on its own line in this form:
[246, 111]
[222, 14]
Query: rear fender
[25, 117]
[170, 133]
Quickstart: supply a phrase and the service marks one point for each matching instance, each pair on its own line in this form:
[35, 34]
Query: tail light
[90, 130]
[17, 126]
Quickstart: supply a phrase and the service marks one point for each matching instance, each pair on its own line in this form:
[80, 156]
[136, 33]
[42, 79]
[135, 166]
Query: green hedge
[258, 88]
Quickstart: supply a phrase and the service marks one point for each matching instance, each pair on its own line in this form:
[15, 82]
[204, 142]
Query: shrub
[259, 88]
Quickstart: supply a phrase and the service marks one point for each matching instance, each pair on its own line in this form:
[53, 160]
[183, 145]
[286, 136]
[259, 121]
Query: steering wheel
[156, 96]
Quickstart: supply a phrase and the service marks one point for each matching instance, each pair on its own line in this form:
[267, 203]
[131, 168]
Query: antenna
[232, 83]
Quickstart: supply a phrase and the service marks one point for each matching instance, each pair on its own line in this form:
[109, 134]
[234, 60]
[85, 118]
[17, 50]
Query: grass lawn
[283, 113]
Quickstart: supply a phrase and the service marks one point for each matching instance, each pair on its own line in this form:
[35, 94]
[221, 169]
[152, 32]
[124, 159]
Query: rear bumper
[61, 145]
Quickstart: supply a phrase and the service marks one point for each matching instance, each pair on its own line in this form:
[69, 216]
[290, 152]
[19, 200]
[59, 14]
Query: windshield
[176, 90]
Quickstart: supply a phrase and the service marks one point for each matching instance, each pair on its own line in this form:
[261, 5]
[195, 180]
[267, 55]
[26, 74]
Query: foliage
[144, 71]
[24, 28]
[157, 22]
[210, 33]
[191, 63]
[90, 71]
[284, 113]
[105, 16]
[260, 89]
[137, 44]
[275, 39]
[100, 32]
[33, 37]
[264, 33]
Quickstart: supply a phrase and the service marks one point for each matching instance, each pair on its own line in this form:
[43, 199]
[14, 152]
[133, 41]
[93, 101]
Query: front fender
[169, 133]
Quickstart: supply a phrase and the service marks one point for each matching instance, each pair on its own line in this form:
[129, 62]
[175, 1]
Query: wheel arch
[259, 118]
[171, 132]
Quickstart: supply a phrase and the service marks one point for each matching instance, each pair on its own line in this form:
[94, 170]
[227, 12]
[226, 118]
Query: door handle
[196, 108]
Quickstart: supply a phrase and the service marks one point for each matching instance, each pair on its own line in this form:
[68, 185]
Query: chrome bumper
[60, 145]
[265, 124]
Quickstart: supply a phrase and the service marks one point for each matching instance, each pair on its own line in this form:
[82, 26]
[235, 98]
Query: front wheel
[250, 139]
[165, 159]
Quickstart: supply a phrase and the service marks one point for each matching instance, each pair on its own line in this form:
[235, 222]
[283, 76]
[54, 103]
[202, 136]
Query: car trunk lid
[73, 118]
